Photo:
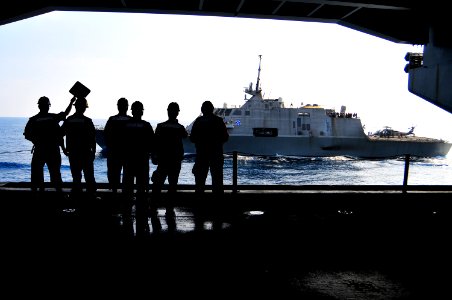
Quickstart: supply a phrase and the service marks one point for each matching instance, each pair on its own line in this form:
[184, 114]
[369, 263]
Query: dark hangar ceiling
[400, 21]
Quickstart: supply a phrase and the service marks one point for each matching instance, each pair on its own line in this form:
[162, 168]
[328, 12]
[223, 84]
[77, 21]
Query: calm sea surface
[15, 158]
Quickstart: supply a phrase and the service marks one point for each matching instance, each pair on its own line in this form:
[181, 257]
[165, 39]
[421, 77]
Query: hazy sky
[157, 59]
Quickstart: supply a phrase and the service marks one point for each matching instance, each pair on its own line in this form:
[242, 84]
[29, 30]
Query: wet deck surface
[326, 248]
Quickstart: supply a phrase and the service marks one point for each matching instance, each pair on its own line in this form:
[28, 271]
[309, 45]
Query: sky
[157, 59]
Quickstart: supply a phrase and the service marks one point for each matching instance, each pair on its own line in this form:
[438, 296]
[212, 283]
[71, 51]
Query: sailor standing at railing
[44, 131]
[140, 145]
[209, 133]
[116, 147]
[81, 148]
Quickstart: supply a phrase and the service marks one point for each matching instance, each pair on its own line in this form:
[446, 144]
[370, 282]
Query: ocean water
[15, 158]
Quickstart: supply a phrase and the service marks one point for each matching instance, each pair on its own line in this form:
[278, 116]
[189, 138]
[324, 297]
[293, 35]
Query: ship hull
[332, 146]
[304, 146]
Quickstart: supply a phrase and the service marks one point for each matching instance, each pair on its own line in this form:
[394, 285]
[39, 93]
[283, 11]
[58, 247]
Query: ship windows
[237, 112]
[304, 114]
[305, 126]
[223, 112]
[247, 112]
[265, 132]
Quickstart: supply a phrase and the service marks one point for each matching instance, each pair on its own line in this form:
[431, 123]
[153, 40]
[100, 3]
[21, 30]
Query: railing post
[405, 174]
[234, 172]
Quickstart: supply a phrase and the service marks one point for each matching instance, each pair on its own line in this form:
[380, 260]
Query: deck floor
[341, 248]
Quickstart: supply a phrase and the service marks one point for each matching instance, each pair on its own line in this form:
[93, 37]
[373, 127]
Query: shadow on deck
[305, 242]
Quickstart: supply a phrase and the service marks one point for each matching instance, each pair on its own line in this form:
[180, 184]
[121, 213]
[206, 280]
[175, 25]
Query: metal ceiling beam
[396, 20]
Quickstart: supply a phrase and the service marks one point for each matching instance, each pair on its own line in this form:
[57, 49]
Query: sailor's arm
[69, 107]
[92, 136]
[61, 116]
[184, 133]
[28, 131]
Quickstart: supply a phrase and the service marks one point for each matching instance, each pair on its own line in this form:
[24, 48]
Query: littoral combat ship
[265, 127]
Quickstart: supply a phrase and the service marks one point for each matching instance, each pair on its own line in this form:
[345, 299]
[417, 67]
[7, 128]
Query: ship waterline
[360, 146]
[325, 147]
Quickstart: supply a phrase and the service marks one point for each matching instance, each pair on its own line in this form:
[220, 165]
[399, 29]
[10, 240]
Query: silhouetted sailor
[209, 133]
[115, 142]
[139, 142]
[81, 147]
[168, 155]
[44, 131]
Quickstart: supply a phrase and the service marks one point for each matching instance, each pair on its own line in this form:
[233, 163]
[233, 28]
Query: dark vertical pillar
[234, 172]
[405, 174]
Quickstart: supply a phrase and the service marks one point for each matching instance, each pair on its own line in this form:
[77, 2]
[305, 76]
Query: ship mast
[257, 91]
[258, 74]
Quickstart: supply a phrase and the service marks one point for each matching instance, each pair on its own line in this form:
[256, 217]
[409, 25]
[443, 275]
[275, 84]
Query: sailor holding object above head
[81, 147]
[43, 130]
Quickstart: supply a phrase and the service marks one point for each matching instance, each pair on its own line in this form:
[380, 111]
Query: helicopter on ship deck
[388, 132]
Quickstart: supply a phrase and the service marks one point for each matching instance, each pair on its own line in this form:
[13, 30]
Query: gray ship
[265, 127]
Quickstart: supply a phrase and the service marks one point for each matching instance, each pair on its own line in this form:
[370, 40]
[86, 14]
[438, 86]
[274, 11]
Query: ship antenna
[258, 73]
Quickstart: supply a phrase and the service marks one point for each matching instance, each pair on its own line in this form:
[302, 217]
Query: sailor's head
[137, 109]
[44, 103]
[173, 110]
[81, 103]
[173, 106]
[137, 106]
[123, 101]
[123, 104]
[207, 108]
